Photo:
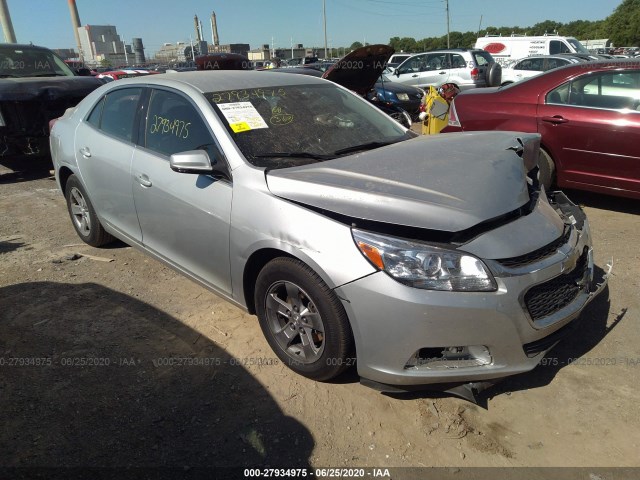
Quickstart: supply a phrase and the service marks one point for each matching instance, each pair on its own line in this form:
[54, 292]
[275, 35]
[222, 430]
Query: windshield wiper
[315, 156]
[52, 74]
[9, 75]
[364, 146]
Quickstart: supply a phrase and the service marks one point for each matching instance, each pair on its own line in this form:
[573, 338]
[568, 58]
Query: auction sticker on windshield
[242, 116]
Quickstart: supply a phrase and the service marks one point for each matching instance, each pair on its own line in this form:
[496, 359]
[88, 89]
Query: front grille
[538, 254]
[549, 297]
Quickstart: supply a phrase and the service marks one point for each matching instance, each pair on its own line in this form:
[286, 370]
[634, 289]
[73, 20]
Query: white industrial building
[102, 42]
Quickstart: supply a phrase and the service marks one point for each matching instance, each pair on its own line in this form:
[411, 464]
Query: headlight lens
[422, 266]
[403, 97]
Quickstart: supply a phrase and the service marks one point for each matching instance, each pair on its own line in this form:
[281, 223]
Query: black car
[404, 96]
[36, 86]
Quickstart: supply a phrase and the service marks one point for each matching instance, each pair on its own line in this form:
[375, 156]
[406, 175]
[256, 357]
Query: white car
[531, 66]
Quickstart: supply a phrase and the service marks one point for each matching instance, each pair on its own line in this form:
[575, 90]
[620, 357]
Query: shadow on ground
[604, 202]
[24, 169]
[591, 328]
[91, 377]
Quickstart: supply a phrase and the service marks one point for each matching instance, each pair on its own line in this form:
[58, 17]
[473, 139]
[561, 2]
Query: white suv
[467, 68]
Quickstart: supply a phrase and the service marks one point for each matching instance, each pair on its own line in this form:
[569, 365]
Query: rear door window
[482, 58]
[119, 112]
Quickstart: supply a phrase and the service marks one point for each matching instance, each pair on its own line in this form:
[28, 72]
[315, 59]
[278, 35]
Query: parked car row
[588, 115]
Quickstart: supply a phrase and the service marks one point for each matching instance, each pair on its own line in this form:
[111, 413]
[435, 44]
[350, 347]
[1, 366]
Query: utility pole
[7, 26]
[324, 18]
[448, 41]
[480, 26]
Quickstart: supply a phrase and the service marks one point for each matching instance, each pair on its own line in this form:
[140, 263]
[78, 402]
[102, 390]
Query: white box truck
[506, 49]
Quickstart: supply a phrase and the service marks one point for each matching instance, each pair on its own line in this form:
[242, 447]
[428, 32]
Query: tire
[83, 216]
[547, 170]
[318, 344]
[494, 75]
[402, 117]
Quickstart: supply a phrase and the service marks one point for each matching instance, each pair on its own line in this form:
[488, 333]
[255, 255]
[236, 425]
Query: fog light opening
[450, 357]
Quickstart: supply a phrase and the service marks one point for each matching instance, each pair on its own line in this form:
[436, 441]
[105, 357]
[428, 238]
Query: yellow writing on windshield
[246, 95]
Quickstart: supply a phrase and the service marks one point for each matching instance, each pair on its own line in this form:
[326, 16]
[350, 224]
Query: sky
[47, 22]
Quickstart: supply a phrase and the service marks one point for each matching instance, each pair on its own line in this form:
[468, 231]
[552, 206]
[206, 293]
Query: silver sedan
[423, 260]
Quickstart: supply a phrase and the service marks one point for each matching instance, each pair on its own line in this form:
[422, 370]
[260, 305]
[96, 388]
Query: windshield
[578, 46]
[279, 127]
[31, 62]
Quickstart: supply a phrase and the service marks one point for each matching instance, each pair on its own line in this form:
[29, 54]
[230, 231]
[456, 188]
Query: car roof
[212, 80]
[20, 46]
[568, 72]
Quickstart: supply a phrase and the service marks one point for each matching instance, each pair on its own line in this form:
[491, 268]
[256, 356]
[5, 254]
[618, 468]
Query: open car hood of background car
[47, 88]
[360, 69]
[436, 183]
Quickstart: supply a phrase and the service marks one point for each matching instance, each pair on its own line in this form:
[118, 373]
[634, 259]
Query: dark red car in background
[588, 115]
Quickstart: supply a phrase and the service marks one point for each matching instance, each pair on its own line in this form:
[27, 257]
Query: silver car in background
[422, 260]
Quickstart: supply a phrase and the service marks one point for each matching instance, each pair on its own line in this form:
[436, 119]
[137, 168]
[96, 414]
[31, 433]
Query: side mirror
[84, 72]
[197, 161]
[396, 72]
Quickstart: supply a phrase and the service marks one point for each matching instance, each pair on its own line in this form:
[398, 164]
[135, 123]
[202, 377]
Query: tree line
[622, 27]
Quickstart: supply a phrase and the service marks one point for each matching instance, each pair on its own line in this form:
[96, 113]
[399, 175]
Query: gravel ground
[87, 337]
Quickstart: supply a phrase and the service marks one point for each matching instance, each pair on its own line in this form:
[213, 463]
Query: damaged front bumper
[14, 146]
[407, 337]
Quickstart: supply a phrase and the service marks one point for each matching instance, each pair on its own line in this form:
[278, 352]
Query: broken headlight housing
[424, 266]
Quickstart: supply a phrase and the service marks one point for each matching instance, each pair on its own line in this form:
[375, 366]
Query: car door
[592, 126]
[184, 217]
[410, 70]
[458, 69]
[436, 71]
[104, 147]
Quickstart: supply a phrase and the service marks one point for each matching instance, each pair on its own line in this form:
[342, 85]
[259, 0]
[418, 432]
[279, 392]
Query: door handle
[556, 119]
[442, 73]
[144, 180]
[85, 152]
[414, 75]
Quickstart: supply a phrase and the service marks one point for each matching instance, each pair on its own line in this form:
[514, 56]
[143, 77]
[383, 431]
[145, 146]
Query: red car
[588, 115]
[119, 74]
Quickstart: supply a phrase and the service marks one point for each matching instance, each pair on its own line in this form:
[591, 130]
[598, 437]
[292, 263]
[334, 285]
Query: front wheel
[303, 320]
[402, 117]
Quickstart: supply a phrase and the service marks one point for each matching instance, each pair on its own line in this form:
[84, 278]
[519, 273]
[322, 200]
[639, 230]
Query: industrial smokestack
[5, 20]
[197, 24]
[214, 30]
[75, 21]
[138, 50]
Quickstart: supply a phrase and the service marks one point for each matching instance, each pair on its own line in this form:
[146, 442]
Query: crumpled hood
[447, 182]
[47, 88]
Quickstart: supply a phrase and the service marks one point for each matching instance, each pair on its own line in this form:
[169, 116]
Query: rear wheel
[83, 216]
[303, 320]
[547, 167]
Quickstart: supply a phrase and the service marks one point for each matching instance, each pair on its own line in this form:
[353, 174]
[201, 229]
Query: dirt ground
[86, 347]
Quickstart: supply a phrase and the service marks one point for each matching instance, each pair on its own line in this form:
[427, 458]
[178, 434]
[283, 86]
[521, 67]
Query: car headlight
[420, 265]
[403, 97]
